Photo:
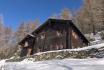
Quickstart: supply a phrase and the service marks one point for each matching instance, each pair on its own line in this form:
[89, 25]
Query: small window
[42, 36]
[58, 33]
[74, 35]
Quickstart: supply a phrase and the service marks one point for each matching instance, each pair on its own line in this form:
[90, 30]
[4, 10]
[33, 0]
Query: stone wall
[62, 54]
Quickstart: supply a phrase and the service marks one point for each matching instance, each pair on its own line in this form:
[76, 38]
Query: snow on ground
[65, 64]
[2, 64]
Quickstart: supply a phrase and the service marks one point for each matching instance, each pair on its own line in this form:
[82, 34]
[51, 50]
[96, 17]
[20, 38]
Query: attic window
[74, 35]
[58, 33]
[42, 36]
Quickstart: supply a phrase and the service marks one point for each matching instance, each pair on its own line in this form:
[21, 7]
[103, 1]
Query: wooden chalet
[54, 34]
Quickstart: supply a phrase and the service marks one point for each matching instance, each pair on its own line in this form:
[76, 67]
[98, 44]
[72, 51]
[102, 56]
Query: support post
[68, 36]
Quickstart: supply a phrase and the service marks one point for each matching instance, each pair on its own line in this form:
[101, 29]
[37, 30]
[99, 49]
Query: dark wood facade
[54, 34]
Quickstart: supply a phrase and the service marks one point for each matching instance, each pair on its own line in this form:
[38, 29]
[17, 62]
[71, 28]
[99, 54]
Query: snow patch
[2, 64]
[65, 64]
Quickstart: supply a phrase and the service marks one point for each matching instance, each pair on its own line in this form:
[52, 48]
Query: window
[42, 36]
[74, 34]
[58, 33]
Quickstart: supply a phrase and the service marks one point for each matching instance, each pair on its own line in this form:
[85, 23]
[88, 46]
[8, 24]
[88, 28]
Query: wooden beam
[68, 36]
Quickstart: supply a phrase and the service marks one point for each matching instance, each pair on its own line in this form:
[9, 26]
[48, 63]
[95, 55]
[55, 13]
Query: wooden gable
[55, 34]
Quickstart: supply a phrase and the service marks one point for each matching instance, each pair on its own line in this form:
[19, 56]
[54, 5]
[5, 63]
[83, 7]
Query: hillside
[65, 64]
[57, 64]
[86, 58]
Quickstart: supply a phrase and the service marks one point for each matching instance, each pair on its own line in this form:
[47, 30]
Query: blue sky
[16, 11]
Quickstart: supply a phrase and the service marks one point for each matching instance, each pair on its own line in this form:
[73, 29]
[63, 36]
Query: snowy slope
[65, 64]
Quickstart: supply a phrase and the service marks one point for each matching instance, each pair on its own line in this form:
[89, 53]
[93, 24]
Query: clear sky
[16, 11]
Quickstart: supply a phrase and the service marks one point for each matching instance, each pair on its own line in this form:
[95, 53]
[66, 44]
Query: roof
[49, 21]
